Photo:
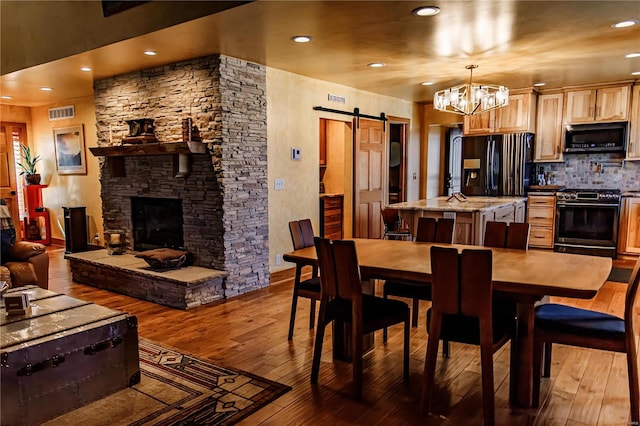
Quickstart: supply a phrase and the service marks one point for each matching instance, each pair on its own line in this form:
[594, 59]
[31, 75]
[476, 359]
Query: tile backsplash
[594, 171]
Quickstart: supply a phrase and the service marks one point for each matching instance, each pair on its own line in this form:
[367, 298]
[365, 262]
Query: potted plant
[28, 166]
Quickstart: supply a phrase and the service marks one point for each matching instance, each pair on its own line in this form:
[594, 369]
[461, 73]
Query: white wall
[292, 122]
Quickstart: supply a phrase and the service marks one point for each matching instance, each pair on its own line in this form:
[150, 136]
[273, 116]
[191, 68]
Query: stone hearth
[183, 288]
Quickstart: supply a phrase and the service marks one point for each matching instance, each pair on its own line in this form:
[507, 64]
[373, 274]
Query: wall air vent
[61, 113]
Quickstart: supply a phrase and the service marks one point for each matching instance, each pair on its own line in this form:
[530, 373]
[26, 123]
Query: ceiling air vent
[61, 113]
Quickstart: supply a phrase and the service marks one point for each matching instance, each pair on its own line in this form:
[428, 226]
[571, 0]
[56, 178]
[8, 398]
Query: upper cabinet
[517, 117]
[598, 104]
[549, 134]
[633, 150]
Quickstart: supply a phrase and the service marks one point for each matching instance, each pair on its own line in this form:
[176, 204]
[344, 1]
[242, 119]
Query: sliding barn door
[368, 175]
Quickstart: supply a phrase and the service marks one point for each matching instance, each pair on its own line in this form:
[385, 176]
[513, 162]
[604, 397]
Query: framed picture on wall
[69, 144]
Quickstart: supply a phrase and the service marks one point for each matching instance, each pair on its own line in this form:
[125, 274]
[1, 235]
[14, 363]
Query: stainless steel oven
[587, 222]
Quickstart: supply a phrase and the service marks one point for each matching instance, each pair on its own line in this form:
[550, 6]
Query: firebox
[157, 222]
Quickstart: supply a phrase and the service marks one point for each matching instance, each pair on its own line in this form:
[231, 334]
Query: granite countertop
[631, 193]
[330, 195]
[473, 204]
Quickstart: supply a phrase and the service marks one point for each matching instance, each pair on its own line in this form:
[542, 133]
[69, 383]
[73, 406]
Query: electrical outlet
[278, 184]
[278, 260]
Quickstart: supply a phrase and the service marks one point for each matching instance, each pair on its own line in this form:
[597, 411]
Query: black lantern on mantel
[141, 130]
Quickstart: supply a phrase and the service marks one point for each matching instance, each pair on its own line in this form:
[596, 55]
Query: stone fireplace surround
[224, 198]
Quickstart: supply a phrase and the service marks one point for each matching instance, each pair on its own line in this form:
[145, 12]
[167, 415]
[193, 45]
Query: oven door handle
[560, 204]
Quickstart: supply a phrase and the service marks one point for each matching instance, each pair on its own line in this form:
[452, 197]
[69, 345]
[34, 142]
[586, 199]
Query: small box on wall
[17, 303]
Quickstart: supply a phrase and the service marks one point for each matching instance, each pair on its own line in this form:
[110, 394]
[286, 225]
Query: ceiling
[514, 43]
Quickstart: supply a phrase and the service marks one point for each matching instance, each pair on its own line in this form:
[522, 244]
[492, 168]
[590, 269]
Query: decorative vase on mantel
[32, 179]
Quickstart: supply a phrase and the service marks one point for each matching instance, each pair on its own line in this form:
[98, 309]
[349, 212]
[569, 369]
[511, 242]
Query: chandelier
[469, 99]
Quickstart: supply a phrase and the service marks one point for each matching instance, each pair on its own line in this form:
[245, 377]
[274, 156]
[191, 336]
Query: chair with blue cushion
[555, 323]
[302, 236]
[464, 310]
[342, 301]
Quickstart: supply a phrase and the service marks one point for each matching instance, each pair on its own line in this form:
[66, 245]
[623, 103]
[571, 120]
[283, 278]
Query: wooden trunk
[64, 354]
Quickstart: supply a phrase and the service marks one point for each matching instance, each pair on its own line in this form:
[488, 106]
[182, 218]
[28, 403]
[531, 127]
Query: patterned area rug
[621, 275]
[178, 389]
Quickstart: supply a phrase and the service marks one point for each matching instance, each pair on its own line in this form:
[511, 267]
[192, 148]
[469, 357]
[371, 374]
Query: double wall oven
[587, 221]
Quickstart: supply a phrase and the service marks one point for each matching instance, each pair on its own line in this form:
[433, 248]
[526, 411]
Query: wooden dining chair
[517, 235]
[555, 323]
[426, 230]
[495, 234]
[393, 228]
[342, 300]
[463, 310]
[429, 230]
[302, 236]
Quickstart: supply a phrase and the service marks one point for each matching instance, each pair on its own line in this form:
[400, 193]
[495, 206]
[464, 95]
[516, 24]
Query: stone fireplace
[224, 197]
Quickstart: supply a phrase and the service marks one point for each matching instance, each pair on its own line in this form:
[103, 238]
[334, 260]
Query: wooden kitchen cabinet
[629, 236]
[331, 207]
[597, 104]
[549, 128]
[633, 150]
[541, 218]
[517, 117]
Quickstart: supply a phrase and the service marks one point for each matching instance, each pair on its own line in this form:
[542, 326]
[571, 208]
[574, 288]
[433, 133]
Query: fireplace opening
[157, 223]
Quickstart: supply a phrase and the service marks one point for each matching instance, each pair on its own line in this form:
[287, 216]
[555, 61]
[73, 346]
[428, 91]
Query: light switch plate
[296, 154]
[278, 184]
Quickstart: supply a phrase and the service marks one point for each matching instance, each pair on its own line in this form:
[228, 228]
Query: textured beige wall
[292, 122]
[68, 190]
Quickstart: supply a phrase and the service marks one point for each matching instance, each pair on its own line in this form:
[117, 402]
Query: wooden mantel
[166, 148]
[180, 150]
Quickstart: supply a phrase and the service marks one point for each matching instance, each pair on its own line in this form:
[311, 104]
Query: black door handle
[13, 193]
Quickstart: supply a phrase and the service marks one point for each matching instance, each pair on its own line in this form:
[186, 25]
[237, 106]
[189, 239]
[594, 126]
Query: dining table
[525, 276]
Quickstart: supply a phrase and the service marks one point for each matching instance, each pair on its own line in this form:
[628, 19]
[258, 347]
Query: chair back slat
[296, 235]
[426, 231]
[631, 298]
[307, 232]
[445, 288]
[475, 282]
[518, 235]
[301, 233]
[391, 219]
[347, 269]
[495, 234]
[444, 231]
[326, 263]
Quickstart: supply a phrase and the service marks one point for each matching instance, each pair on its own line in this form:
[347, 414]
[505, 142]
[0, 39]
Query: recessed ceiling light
[539, 84]
[426, 11]
[376, 65]
[625, 24]
[6, 97]
[426, 83]
[150, 52]
[46, 89]
[301, 38]
[632, 55]
[85, 69]
[635, 73]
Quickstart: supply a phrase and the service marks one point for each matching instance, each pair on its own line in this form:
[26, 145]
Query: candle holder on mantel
[114, 239]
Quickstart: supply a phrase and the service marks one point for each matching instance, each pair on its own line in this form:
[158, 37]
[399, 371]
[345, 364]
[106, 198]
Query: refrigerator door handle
[487, 169]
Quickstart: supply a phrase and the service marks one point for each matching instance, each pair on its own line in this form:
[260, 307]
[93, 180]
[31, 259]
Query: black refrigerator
[497, 165]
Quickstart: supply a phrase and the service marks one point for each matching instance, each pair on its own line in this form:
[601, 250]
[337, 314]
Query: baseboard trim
[286, 276]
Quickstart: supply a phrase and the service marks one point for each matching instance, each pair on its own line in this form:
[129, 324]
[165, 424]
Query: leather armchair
[27, 263]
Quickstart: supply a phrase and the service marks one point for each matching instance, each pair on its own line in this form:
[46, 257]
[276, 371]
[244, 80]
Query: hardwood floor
[249, 332]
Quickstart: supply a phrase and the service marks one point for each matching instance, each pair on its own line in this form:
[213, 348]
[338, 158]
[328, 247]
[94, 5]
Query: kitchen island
[471, 215]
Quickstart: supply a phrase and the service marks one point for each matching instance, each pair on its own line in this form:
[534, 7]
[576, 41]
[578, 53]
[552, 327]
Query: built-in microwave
[597, 137]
